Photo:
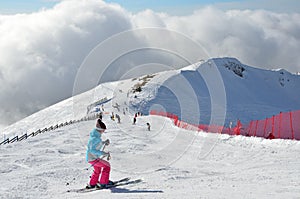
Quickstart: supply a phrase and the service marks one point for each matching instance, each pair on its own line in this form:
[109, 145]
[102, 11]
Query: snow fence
[47, 129]
[284, 126]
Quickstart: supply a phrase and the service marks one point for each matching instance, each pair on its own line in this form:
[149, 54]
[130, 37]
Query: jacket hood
[95, 133]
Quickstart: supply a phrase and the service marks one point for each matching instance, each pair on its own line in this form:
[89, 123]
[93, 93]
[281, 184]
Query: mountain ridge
[218, 90]
[251, 93]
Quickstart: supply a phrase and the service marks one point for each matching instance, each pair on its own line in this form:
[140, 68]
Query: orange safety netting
[284, 125]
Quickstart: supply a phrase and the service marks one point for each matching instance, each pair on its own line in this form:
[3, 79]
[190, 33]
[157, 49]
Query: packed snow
[172, 162]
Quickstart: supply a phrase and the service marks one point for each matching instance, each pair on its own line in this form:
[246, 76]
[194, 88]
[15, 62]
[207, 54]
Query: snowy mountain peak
[231, 64]
[235, 66]
[259, 92]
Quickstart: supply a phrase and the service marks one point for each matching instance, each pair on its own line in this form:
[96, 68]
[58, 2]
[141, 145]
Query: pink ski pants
[103, 167]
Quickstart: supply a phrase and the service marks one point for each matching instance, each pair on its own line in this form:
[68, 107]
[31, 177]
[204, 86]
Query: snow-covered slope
[216, 91]
[226, 90]
[173, 163]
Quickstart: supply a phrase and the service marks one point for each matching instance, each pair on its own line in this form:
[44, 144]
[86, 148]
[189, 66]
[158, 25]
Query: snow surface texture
[173, 162]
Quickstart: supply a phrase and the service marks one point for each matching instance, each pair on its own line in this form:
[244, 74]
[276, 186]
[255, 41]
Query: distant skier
[118, 118]
[271, 136]
[237, 128]
[112, 117]
[134, 120]
[100, 115]
[148, 125]
[94, 155]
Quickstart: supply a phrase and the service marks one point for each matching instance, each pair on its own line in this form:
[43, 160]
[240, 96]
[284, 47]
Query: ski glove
[107, 155]
[106, 142]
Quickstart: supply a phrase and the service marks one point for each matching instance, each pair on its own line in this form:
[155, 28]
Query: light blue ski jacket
[94, 146]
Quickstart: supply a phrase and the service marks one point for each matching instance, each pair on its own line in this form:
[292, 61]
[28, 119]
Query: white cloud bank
[41, 52]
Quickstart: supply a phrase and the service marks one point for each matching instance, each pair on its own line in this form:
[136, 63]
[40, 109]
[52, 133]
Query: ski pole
[68, 183]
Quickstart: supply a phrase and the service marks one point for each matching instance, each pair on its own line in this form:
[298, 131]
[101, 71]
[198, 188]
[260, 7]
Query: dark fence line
[51, 128]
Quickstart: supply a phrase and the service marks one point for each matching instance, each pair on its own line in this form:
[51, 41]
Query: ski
[122, 182]
[85, 189]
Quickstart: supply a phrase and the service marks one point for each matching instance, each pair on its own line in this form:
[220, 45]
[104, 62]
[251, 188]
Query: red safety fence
[284, 126]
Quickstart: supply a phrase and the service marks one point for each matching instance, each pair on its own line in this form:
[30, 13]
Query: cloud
[259, 38]
[287, 6]
[41, 52]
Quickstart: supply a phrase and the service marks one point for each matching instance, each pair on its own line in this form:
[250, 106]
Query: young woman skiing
[95, 155]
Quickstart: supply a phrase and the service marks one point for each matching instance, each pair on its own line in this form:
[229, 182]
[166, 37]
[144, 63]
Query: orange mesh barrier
[284, 126]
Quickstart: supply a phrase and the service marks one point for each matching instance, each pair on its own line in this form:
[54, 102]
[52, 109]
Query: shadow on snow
[124, 190]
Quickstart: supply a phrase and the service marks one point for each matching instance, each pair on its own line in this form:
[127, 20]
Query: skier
[93, 156]
[148, 125]
[134, 120]
[118, 117]
[271, 136]
[100, 115]
[112, 117]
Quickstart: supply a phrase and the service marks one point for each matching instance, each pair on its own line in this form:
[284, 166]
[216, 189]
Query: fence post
[280, 119]
[6, 141]
[250, 127]
[237, 128]
[265, 126]
[273, 118]
[16, 138]
[255, 127]
[291, 123]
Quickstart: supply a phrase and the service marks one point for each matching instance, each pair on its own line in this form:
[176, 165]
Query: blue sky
[176, 7]
[170, 6]
[20, 6]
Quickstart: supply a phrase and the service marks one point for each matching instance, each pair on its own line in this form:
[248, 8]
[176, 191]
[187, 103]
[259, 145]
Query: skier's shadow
[124, 190]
